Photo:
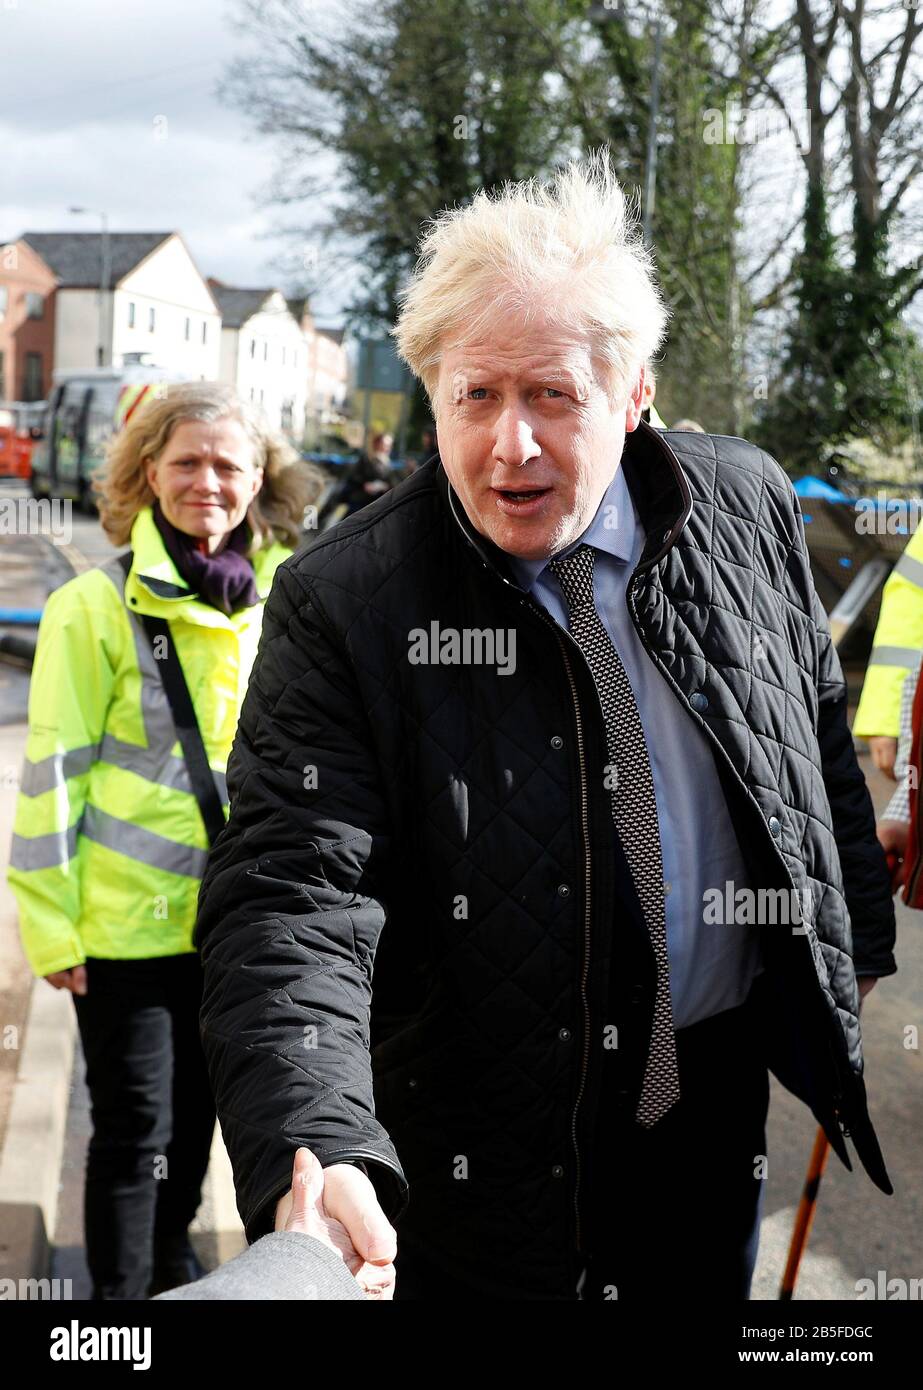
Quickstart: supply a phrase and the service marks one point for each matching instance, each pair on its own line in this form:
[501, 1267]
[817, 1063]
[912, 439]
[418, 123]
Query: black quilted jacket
[446, 823]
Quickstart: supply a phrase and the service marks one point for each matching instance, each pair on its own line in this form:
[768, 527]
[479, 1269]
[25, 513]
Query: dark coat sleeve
[866, 880]
[289, 917]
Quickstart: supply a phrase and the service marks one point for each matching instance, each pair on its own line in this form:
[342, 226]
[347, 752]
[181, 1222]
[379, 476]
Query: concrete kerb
[33, 1148]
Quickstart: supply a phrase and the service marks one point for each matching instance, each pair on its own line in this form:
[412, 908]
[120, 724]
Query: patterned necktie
[634, 810]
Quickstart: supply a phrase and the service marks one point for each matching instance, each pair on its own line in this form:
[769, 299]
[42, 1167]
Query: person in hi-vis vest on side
[895, 653]
[122, 794]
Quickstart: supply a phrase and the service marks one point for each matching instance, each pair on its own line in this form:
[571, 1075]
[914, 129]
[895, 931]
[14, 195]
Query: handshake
[338, 1206]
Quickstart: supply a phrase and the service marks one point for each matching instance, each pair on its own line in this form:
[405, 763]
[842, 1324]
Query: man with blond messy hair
[558, 1059]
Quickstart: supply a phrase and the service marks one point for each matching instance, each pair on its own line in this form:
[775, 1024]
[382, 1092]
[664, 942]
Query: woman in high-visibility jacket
[895, 654]
[109, 843]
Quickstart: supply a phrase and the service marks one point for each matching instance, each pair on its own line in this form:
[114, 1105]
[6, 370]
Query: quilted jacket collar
[656, 481]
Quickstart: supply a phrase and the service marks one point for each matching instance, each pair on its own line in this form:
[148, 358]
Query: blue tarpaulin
[818, 487]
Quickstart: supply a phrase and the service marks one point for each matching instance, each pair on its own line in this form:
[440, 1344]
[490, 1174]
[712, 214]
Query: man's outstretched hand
[338, 1206]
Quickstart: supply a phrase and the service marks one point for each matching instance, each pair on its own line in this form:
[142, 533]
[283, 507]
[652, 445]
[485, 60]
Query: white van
[84, 409]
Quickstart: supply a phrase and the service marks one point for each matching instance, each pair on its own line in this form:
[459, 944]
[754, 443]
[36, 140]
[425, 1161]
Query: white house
[327, 383]
[264, 353]
[157, 306]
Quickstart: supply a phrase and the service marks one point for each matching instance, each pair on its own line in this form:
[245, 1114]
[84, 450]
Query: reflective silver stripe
[156, 762]
[54, 770]
[143, 845]
[43, 851]
[910, 568]
[895, 656]
[156, 715]
[151, 764]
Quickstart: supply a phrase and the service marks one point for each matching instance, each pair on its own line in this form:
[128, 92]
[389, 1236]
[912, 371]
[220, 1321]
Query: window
[32, 377]
[150, 320]
[283, 357]
[131, 314]
[188, 328]
[35, 305]
[98, 432]
[205, 331]
[261, 395]
[251, 393]
[295, 359]
[252, 347]
[266, 352]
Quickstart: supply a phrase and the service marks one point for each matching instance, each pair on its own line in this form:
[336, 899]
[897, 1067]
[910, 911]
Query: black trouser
[673, 1212]
[153, 1115]
[676, 1209]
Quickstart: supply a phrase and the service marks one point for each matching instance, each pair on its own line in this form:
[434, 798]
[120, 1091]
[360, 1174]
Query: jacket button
[564, 1034]
[557, 741]
[563, 890]
[775, 827]
[557, 1171]
[698, 701]
[132, 600]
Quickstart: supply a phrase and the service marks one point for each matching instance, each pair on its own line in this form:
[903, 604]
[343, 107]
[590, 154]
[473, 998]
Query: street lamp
[104, 273]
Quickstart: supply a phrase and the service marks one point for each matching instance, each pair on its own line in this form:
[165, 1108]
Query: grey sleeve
[898, 808]
[280, 1265]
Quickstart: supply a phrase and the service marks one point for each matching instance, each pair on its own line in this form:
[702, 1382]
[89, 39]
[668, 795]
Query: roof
[299, 307]
[75, 256]
[237, 305]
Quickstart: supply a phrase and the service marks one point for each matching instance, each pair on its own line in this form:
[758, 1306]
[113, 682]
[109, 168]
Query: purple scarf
[225, 580]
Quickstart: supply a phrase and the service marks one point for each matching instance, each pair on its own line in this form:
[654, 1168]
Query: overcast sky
[83, 85]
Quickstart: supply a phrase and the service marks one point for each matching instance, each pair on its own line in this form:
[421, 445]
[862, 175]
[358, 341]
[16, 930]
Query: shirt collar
[611, 530]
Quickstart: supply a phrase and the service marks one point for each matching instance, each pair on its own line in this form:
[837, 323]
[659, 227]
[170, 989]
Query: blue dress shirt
[712, 965]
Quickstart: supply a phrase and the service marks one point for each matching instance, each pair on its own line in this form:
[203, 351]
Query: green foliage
[851, 366]
[696, 213]
[420, 103]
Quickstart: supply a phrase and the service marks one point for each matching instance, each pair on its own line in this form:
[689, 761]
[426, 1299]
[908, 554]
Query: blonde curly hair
[277, 512]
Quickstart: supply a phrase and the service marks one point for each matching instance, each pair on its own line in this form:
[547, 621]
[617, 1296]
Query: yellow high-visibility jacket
[897, 645]
[109, 843]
